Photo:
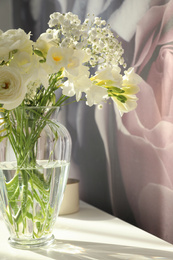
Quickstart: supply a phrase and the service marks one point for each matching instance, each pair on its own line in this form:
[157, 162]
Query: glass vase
[34, 166]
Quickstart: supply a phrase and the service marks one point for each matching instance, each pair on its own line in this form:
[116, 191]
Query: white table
[92, 234]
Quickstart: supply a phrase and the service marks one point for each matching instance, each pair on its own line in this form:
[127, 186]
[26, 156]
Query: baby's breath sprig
[93, 35]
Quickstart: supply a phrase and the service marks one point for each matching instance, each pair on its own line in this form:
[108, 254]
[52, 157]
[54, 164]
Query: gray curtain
[124, 164]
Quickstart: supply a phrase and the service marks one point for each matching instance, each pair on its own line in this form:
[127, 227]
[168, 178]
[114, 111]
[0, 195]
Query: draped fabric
[124, 164]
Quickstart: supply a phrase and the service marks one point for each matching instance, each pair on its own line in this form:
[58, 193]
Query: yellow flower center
[57, 58]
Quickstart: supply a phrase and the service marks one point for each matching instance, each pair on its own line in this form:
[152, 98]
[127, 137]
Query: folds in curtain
[144, 136]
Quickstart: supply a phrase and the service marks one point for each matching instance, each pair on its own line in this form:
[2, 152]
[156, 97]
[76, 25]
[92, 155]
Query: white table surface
[92, 234]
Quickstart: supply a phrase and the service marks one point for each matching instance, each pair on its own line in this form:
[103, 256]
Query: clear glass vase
[34, 166]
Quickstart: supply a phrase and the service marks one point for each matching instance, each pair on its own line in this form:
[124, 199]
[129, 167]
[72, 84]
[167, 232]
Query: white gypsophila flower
[104, 45]
[65, 42]
[12, 40]
[100, 106]
[55, 19]
[95, 95]
[93, 34]
[12, 87]
[71, 32]
[32, 86]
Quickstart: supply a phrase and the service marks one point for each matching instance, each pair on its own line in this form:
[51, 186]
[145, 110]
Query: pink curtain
[145, 136]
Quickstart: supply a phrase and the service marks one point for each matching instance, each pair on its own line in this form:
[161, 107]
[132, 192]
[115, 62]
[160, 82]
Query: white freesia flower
[40, 75]
[130, 77]
[76, 85]
[12, 87]
[46, 41]
[58, 57]
[128, 106]
[109, 76]
[130, 89]
[130, 99]
[75, 62]
[122, 89]
[95, 95]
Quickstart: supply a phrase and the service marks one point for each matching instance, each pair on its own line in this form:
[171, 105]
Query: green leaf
[12, 185]
[121, 98]
[39, 53]
[115, 89]
[29, 215]
[14, 51]
[42, 61]
[59, 73]
[2, 63]
[9, 217]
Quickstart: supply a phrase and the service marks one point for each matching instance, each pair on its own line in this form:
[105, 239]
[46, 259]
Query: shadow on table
[97, 251]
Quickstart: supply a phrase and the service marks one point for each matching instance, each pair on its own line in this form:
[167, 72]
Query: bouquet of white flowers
[31, 74]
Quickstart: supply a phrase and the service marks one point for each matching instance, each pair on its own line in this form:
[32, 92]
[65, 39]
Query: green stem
[23, 137]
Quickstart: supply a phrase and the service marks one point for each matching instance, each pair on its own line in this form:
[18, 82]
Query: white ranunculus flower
[14, 39]
[26, 63]
[31, 69]
[12, 88]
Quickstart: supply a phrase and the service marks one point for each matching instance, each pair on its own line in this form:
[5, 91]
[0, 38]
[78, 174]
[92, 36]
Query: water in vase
[32, 197]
